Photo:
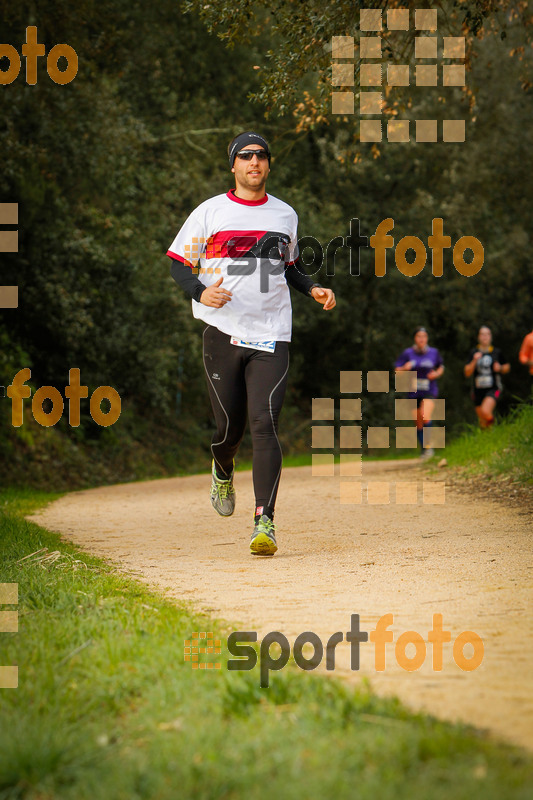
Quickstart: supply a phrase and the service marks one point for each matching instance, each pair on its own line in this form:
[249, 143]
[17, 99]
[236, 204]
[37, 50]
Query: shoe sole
[262, 545]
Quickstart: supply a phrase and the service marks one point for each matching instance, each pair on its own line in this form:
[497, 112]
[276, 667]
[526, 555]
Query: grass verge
[504, 450]
[106, 706]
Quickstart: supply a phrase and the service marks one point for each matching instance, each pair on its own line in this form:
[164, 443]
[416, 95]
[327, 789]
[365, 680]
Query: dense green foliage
[106, 169]
[107, 707]
[296, 69]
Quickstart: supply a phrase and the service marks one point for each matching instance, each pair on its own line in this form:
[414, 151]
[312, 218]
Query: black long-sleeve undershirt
[184, 277]
[295, 276]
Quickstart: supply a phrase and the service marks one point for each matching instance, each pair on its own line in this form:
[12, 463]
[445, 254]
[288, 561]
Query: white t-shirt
[249, 244]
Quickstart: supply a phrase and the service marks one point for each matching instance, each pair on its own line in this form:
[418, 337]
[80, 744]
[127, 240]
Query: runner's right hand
[214, 296]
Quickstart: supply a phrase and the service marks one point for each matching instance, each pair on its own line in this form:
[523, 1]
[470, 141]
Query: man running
[485, 365]
[245, 245]
[427, 363]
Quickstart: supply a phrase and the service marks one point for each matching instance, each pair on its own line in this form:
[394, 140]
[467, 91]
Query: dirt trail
[469, 560]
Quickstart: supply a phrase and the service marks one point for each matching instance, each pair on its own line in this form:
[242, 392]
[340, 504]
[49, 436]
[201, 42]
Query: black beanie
[243, 139]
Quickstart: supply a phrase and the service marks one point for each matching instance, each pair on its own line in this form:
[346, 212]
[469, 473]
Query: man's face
[251, 174]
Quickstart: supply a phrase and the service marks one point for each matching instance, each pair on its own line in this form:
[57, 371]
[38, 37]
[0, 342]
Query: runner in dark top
[427, 363]
[485, 365]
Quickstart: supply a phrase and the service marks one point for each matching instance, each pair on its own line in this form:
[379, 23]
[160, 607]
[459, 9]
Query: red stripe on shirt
[232, 244]
[176, 257]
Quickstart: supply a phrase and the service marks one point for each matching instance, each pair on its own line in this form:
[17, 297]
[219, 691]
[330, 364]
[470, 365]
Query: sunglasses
[247, 155]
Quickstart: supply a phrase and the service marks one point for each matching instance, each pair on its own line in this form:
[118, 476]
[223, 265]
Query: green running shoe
[222, 494]
[263, 541]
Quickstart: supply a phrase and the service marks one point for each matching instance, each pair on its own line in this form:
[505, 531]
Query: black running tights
[239, 378]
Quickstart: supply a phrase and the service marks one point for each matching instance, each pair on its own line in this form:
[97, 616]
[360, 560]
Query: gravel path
[468, 559]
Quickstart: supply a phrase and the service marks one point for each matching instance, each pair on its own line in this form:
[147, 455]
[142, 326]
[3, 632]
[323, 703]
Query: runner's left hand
[325, 297]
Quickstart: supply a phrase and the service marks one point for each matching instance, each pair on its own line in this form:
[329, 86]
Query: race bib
[483, 382]
[422, 385]
[268, 346]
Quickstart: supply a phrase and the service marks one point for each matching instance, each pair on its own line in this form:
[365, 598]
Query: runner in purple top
[427, 363]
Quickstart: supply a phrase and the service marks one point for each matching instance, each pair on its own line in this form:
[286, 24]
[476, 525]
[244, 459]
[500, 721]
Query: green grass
[106, 706]
[506, 449]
